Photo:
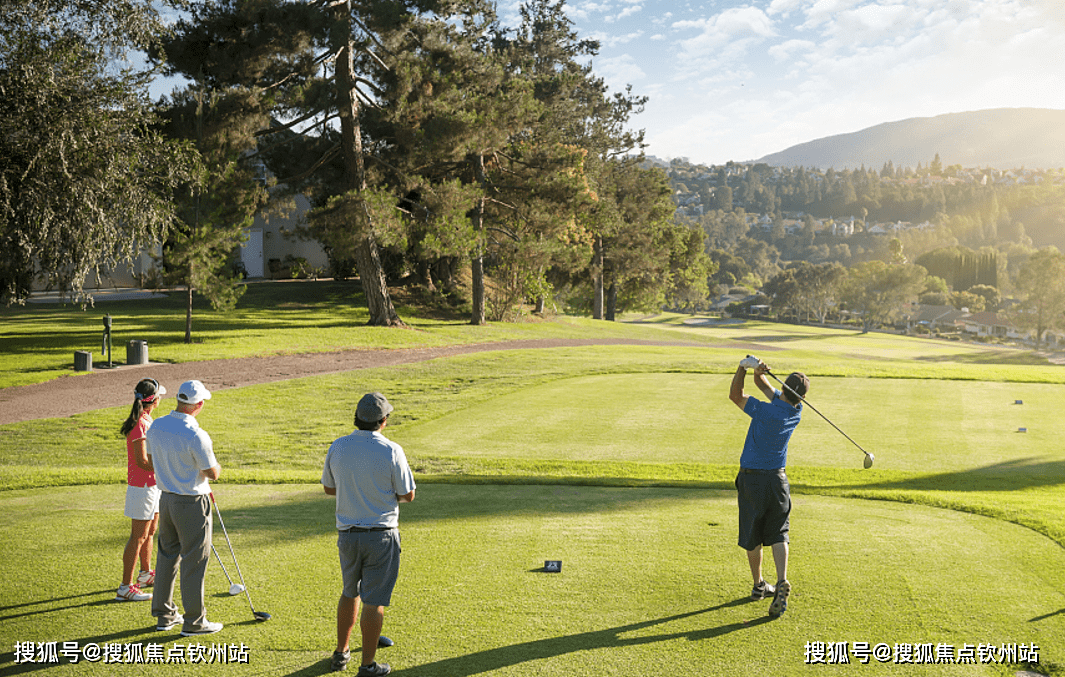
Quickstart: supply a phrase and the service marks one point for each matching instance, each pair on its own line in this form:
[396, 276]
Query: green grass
[39, 340]
[651, 578]
[617, 460]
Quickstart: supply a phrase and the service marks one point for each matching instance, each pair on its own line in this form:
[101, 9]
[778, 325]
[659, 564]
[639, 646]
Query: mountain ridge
[1003, 138]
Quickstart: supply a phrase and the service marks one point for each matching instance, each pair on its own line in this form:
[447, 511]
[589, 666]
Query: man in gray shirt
[370, 477]
[183, 457]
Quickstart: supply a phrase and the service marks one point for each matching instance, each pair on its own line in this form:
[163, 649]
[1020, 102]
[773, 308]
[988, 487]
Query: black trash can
[82, 360]
[137, 352]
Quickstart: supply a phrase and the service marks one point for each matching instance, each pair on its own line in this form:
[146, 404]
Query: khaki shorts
[142, 503]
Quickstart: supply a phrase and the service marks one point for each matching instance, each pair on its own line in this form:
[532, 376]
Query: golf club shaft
[230, 544]
[215, 551]
[804, 401]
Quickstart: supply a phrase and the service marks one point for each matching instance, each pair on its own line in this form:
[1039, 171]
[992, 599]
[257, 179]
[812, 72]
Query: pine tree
[215, 210]
[318, 68]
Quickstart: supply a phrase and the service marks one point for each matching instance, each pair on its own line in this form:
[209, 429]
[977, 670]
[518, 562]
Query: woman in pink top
[142, 496]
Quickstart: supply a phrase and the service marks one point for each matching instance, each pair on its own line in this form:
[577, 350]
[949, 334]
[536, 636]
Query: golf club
[868, 462]
[259, 615]
[234, 588]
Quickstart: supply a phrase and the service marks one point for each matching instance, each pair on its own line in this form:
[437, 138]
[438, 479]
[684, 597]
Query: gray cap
[372, 408]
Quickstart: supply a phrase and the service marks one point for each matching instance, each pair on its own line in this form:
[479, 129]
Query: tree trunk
[611, 302]
[188, 310]
[597, 279]
[477, 316]
[367, 258]
[425, 275]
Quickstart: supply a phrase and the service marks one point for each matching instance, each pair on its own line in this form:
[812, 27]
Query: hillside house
[935, 318]
[993, 325]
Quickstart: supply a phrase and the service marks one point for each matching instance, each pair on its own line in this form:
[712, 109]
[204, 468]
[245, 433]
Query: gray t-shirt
[369, 473]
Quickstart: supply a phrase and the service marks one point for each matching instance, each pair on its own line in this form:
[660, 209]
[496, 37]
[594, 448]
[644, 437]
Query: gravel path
[76, 394]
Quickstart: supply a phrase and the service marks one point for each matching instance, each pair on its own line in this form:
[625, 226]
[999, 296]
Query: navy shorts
[369, 563]
[765, 507]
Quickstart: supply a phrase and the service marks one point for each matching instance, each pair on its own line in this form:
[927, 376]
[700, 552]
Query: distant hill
[1003, 138]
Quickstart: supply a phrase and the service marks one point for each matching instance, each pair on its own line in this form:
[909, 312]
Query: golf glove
[750, 362]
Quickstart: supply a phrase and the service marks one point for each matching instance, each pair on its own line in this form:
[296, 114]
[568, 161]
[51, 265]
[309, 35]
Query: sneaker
[780, 599]
[374, 670]
[340, 660]
[163, 626]
[762, 591]
[208, 628]
[146, 579]
[131, 593]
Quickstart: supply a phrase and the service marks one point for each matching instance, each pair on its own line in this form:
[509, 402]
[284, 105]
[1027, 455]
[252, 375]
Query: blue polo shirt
[766, 446]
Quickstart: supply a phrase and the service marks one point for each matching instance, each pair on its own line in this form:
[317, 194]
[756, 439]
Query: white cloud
[582, 11]
[787, 51]
[619, 71]
[609, 41]
[784, 7]
[823, 11]
[732, 30]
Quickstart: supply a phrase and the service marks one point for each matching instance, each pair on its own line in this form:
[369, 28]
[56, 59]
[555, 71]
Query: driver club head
[868, 463]
[261, 615]
[236, 589]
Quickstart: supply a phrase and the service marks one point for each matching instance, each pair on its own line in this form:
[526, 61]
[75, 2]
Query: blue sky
[737, 80]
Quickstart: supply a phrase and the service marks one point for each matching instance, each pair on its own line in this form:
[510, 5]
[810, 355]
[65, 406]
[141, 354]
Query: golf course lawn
[652, 582]
[617, 460]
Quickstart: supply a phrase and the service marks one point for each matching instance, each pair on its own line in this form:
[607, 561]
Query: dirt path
[76, 394]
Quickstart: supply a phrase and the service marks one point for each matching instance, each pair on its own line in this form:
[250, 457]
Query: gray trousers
[185, 529]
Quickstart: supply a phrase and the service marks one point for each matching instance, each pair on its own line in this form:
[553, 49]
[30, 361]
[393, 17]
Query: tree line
[487, 163]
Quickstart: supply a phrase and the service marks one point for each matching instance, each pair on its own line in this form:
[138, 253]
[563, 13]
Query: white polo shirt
[181, 450]
[369, 472]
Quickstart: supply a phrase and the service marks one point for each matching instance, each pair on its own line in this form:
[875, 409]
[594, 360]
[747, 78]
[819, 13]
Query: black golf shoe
[340, 660]
[374, 670]
[780, 599]
[762, 591]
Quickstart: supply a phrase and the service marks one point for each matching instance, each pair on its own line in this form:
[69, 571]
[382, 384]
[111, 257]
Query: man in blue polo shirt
[762, 486]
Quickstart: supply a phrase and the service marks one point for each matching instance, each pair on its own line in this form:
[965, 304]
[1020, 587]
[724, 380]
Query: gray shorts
[765, 507]
[369, 563]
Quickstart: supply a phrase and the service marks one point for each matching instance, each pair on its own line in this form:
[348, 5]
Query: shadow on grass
[992, 356]
[780, 338]
[611, 638]
[1059, 612]
[1023, 473]
[81, 605]
[137, 636]
[515, 654]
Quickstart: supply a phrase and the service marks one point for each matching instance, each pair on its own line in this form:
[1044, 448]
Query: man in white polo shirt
[183, 457]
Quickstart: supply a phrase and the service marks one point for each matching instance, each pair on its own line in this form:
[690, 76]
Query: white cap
[193, 392]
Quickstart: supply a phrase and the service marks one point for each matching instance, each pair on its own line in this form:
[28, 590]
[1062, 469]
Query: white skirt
[142, 503]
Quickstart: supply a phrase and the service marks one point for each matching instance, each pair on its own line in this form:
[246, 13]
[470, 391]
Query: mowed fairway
[908, 424]
[619, 462]
[651, 578]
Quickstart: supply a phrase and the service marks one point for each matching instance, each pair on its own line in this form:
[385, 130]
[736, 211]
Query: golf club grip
[804, 401]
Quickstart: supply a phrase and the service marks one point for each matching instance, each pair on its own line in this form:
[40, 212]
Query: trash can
[137, 352]
[82, 360]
